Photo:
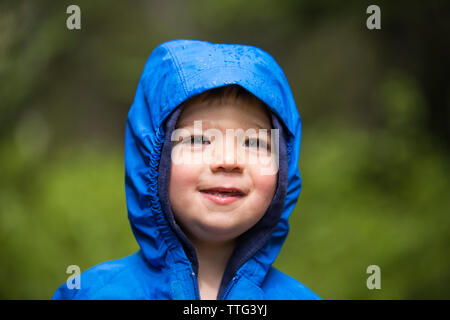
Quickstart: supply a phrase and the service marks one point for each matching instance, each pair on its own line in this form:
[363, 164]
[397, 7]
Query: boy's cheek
[182, 179]
[262, 164]
[185, 155]
[183, 173]
[264, 183]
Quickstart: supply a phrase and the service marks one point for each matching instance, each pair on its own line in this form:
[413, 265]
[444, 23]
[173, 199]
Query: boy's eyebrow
[260, 126]
[211, 123]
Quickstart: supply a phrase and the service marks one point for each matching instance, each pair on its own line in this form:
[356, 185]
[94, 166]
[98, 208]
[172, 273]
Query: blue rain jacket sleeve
[163, 269]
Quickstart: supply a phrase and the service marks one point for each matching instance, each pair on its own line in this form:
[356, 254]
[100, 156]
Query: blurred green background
[375, 145]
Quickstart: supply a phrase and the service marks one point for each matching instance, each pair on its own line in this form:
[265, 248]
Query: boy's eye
[256, 143]
[196, 140]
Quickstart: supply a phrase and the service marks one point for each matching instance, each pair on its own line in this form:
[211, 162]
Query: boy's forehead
[213, 115]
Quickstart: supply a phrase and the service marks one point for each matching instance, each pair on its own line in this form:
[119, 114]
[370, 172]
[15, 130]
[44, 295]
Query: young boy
[211, 155]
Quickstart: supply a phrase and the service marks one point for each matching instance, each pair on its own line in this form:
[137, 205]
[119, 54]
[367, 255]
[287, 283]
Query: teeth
[223, 193]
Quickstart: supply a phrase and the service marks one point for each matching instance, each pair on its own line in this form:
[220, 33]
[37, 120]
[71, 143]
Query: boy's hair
[224, 94]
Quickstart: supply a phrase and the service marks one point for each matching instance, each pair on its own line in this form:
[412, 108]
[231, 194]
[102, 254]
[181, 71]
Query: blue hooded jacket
[166, 266]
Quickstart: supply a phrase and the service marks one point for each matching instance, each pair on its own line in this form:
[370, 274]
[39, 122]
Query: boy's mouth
[221, 195]
[224, 192]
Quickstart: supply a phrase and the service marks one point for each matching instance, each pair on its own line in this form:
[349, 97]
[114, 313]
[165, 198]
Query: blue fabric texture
[165, 267]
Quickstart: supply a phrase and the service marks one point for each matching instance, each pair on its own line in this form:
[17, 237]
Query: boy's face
[219, 199]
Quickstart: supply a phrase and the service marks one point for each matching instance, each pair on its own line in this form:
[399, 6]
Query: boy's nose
[227, 158]
[226, 166]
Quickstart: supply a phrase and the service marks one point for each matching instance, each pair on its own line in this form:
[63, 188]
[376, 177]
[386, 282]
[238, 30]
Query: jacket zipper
[197, 291]
[230, 285]
[195, 282]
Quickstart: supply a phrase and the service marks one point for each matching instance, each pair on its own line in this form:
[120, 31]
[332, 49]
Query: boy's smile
[220, 198]
[223, 195]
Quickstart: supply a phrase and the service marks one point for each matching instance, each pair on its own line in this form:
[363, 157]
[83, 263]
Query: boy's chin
[217, 234]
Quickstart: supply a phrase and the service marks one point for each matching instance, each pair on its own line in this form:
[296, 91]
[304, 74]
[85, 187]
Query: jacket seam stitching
[178, 69]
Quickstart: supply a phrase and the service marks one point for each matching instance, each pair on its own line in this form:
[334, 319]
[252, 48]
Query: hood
[176, 71]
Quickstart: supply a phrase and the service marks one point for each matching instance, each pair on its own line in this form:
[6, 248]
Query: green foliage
[68, 209]
[364, 203]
